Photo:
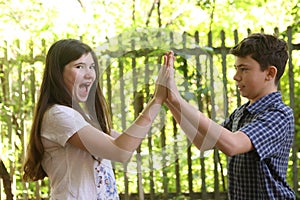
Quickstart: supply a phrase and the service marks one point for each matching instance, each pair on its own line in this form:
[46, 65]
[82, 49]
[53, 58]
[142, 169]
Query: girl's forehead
[87, 56]
[84, 59]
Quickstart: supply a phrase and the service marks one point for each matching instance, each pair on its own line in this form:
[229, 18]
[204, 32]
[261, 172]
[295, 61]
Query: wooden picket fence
[166, 165]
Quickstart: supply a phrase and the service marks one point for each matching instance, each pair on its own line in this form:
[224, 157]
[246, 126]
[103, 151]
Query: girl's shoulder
[58, 107]
[60, 114]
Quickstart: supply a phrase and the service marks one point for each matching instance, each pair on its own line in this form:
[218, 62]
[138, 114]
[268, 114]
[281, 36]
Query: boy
[258, 135]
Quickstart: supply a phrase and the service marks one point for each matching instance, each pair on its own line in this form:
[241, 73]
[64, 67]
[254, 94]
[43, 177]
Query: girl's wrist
[157, 100]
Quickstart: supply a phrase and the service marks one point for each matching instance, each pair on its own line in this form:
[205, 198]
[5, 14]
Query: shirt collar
[264, 102]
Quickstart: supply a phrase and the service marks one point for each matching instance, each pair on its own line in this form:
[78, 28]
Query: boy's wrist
[174, 99]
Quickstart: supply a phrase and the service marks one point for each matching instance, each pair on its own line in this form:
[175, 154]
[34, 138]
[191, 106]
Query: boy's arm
[205, 133]
[202, 131]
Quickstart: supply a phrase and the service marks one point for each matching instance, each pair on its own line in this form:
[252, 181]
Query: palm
[171, 86]
[165, 83]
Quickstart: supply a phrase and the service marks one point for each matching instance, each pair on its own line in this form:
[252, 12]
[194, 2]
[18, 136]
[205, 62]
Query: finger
[165, 60]
[170, 60]
[171, 81]
[163, 75]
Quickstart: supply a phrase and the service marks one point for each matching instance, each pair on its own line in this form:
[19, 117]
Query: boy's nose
[236, 77]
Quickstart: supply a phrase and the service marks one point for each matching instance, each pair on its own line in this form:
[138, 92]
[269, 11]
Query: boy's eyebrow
[240, 65]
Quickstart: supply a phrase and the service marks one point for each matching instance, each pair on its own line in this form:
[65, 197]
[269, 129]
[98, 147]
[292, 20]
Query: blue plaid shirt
[261, 173]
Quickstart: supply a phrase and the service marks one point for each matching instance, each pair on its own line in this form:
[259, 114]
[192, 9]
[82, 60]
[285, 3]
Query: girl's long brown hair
[53, 91]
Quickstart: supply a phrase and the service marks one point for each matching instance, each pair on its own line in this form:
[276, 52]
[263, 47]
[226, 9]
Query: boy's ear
[272, 71]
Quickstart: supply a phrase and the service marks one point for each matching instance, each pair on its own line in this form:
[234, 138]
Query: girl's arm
[122, 147]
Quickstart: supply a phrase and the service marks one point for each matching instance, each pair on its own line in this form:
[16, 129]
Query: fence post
[238, 96]
[138, 107]
[149, 144]
[292, 105]
[123, 114]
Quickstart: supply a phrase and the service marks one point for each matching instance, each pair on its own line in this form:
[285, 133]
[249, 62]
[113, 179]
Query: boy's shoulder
[269, 101]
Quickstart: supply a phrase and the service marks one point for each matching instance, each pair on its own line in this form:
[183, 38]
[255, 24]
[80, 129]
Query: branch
[158, 13]
[81, 4]
[212, 15]
[173, 18]
[133, 11]
[150, 12]
[6, 181]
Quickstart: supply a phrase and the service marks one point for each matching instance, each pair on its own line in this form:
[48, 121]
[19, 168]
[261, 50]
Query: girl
[71, 139]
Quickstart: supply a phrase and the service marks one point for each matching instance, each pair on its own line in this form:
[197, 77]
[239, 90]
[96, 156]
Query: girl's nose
[89, 73]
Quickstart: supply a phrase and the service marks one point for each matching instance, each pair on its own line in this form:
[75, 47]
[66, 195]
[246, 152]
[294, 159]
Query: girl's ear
[271, 73]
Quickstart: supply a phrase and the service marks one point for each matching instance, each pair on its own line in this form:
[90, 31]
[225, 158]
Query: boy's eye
[242, 69]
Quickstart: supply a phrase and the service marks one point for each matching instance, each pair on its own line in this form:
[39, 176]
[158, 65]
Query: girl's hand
[160, 94]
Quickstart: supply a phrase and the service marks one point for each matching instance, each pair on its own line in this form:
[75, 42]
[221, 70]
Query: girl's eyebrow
[79, 63]
[82, 63]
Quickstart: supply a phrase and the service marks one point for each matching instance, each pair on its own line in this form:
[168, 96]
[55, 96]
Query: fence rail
[166, 165]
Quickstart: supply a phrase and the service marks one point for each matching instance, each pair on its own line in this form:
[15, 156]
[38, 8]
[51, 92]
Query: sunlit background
[98, 19]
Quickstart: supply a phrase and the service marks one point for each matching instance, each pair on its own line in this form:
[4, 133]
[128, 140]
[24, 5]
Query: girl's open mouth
[85, 86]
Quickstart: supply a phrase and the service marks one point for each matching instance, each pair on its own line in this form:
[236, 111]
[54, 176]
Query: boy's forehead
[239, 59]
[244, 61]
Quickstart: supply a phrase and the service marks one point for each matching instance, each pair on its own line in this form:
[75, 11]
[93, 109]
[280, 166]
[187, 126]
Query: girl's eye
[79, 66]
[92, 67]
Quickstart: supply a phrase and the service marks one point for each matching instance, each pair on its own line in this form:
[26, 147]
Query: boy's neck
[265, 94]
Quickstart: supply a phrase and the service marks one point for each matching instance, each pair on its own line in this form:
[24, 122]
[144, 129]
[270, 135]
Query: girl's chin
[81, 95]
[80, 99]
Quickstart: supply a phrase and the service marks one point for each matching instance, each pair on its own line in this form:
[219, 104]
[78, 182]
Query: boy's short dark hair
[266, 49]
